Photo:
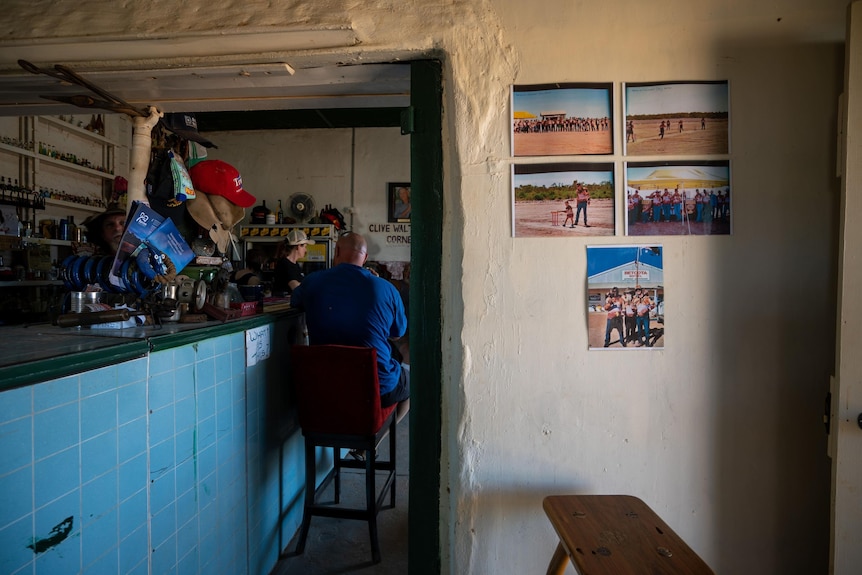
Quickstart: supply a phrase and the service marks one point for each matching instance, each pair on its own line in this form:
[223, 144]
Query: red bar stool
[338, 399]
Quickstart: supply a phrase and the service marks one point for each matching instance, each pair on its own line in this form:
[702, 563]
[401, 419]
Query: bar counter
[39, 352]
[156, 449]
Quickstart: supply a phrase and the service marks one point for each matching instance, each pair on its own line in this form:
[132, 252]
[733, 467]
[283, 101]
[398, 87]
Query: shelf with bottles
[75, 205]
[69, 125]
[58, 142]
[11, 193]
[17, 147]
[99, 172]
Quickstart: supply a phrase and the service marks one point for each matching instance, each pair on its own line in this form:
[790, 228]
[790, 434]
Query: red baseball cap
[222, 179]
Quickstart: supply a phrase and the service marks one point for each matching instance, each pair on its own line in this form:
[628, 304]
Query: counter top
[33, 353]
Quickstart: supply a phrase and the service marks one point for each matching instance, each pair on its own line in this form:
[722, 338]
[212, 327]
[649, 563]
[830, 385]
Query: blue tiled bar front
[184, 461]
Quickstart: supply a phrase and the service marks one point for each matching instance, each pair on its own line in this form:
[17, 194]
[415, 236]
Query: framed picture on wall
[678, 198]
[566, 200]
[398, 200]
[676, 118]
[625, 297]
[562, 119]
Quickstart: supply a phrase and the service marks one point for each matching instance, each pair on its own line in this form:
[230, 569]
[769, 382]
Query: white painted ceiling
[271, 86]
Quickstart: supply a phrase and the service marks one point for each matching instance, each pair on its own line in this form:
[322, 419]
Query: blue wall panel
[160, 465]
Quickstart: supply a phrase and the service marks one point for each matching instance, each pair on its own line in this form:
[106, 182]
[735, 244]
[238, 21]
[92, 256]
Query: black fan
[301, 207]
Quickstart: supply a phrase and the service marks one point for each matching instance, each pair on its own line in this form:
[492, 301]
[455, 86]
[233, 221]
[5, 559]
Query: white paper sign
[257, 344]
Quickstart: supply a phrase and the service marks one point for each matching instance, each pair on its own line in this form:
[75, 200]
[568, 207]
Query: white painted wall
[720, 432]
[347, 168]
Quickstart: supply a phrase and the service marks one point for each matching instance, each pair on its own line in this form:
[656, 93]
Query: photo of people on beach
[676, 118]
[562, 119]
[678, 198]
[563, 200]
[625, 297]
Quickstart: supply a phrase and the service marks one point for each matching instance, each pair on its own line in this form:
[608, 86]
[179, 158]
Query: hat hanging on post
[201, 209]
[185, 125]
[228, 212]
[220, 178]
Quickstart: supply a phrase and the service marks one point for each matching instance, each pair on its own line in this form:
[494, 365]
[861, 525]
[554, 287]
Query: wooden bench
[616, 535]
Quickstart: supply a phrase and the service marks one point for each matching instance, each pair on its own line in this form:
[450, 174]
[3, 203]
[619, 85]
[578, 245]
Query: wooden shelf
[73, 205]
[45, 242]
[74, 167]
[17, 150]
[68, 127]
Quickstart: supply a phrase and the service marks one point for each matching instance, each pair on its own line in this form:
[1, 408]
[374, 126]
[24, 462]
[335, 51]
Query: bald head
[351, 248]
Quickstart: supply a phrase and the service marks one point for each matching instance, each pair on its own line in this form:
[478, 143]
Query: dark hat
[160, 189]
[94, 222]
[185, 125]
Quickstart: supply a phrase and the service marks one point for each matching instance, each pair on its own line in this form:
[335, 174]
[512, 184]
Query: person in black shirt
[288, 273]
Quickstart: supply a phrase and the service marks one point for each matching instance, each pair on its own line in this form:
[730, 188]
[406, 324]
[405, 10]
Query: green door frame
[425, 124]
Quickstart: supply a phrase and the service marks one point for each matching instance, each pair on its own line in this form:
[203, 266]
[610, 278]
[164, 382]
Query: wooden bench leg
[557, 566]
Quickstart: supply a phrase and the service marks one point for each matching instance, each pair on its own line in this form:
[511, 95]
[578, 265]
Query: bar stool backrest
[337, 389]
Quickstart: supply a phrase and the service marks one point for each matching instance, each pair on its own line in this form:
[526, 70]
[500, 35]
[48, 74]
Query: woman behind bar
[288, 273]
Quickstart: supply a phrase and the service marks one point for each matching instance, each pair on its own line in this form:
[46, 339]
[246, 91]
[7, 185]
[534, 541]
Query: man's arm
[296, 297]
[399, 319]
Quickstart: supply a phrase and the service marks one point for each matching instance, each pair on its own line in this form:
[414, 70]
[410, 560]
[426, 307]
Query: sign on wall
[392, 234]
[258, 343]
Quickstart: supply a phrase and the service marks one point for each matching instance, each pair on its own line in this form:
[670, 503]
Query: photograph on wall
[563, 200]
[678, 198]
[625, 297]
[398, 195]
[562, 119]
[676, 118]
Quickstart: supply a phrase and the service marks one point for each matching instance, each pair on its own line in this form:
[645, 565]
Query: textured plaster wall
[721, 431]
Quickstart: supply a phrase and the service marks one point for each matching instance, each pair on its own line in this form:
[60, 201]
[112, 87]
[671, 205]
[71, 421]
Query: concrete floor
[341, 546]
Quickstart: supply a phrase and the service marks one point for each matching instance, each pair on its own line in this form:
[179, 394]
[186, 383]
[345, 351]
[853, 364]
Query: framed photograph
[562, 119]
[677, 118]
[563, 200]
[625, 297]
[398, 201]
[678, 198]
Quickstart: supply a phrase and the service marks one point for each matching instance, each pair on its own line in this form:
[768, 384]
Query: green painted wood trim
[426, 181]
[54, 368]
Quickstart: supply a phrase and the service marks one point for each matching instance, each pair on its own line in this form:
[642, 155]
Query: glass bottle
[279, 215]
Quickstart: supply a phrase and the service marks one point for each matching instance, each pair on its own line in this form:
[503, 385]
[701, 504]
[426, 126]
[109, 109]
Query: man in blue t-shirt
[348, 305]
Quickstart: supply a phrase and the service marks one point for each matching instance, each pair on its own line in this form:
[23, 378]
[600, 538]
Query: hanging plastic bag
[183, 187]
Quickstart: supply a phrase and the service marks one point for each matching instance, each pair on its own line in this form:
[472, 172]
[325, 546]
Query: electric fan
[301, 207]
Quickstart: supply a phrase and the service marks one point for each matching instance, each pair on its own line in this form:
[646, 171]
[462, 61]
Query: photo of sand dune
[677, 118]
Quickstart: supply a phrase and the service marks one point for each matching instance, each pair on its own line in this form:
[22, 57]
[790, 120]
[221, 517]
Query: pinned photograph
[625, 297]
[562, 119]
[677, 118]
[563, 200]
[678, 198]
